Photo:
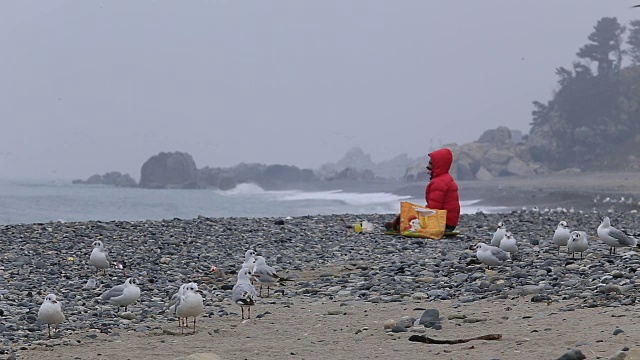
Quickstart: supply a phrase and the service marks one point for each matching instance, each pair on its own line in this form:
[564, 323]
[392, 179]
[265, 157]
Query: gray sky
[94, 86]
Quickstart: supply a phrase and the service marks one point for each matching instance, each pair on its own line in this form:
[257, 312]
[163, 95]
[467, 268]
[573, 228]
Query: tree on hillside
[606, 41]
[634, 41]
[582, 119]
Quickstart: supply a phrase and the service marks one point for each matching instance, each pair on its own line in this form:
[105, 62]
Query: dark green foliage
[590, 113]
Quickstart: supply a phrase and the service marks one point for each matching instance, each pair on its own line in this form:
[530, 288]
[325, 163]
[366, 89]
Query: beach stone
[573, 354]
[617, 331]
[200, 356]
[430, 318]
[398, 329]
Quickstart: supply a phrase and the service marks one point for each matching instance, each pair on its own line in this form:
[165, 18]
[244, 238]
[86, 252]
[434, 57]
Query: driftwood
[428, 340]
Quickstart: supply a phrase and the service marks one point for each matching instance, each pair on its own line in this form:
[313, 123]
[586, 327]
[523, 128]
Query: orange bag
[422, 222]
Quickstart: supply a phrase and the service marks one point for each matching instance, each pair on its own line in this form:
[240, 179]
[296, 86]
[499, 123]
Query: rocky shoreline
[327, 260]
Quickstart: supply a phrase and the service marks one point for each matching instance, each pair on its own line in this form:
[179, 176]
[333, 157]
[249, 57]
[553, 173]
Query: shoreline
[345, 285]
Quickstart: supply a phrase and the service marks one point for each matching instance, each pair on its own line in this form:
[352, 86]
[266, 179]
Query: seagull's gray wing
[106, 256]
[500, 254]
[244, 294]
[621, 237]
[113, 292]
[174, 301]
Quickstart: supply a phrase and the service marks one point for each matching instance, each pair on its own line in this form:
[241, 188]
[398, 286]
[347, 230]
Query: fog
[94, 86]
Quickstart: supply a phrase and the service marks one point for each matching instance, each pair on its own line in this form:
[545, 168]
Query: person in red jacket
[441, 192]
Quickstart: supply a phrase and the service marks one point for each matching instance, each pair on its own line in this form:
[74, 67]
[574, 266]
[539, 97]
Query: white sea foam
[356, 199]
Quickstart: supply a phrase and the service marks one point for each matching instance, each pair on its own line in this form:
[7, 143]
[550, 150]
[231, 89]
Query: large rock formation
[112, 178]
[493, 154]
[169, 170]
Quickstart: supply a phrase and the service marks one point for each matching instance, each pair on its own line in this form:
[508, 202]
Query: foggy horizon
[93, 87]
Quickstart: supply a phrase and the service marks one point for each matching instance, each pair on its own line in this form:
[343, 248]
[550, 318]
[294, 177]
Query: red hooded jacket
[442, 190]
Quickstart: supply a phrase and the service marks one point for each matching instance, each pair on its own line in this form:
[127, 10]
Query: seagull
[498, 235]
[491, 255]
[265, 274]
[123, 295]
[509, 244]
[190, 304]
[99, 257]
[561, 235]
[249, 260]
[614, 237]
[50, 312]
[579, 242]
[244, 294]
[174, 301]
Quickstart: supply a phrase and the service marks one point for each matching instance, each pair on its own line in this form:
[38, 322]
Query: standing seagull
[50, 312]
[491, 255]
[614, 237]
[498, 235]
[174, 301]
[190, 304]
[249, 260]
[99, 257]
[578, 242]
[265, 274]
[509, 244]
[561, 235]
[123, 295]
[244, 294]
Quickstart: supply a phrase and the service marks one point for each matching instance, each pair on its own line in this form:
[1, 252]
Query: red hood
[441, 161]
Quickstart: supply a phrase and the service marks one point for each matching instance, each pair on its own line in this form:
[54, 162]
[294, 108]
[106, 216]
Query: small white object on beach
[562, 234]
[498, 235]
[243, 293]
[614, 237]
[367, 226]
[509, 244]
[99, 257]
[491, 255]
[123, 295]
[578, 242]
[191, 304]
[50, 312]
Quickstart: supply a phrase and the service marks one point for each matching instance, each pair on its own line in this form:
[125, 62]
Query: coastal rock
[498, 137]
[169, 170]
[112, 178]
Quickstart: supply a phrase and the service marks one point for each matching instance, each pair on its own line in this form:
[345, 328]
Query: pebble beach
[347, 287]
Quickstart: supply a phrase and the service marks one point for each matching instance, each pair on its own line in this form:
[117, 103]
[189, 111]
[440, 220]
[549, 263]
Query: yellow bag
[422, 222]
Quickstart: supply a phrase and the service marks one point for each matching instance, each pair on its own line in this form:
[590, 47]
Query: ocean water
[29, 201]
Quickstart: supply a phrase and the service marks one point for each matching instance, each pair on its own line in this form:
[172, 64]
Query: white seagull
[190, 304]
[614, 237]
[123, 295]
[562, 234]
[244, 294]
[50, 312]
[249, 260]
[265, 274]
[99, 257]
[491, 255]
[498, 235]
[509, 244]
[579, 242]
[174, 301]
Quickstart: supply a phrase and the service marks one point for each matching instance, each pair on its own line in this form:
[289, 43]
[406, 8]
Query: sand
[304, 330]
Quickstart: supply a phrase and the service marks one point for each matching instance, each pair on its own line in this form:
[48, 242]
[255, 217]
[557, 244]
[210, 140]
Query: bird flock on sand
[504, 246]
[184, 304]
[187, 302]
